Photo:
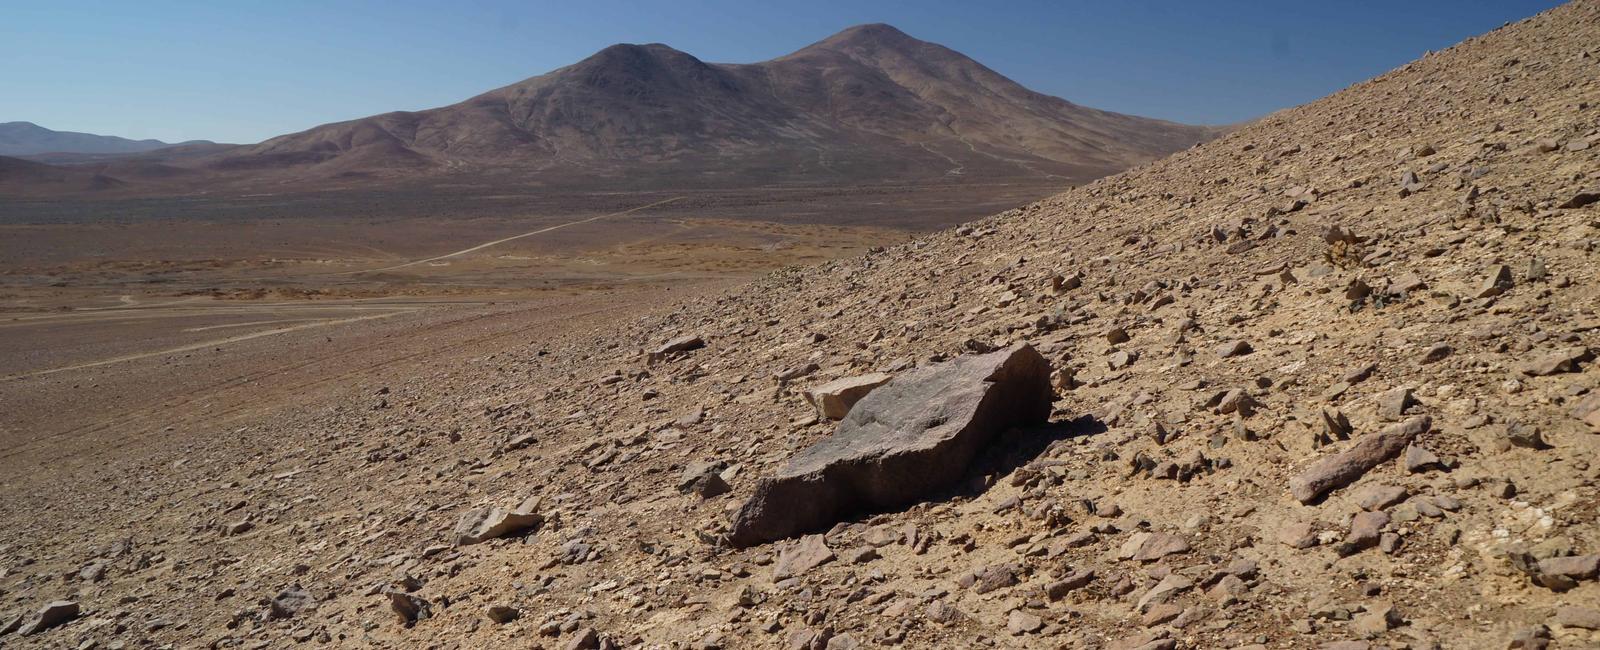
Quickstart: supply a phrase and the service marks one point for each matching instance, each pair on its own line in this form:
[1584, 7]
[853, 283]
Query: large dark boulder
[912, 436]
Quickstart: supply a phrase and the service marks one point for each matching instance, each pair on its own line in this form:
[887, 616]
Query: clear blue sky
[241, 71]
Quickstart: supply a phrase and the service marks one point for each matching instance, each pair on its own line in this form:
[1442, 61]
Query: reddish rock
[910, 437]
[1343, 468]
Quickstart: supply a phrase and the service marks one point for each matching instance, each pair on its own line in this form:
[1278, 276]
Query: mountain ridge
[868, 102]
[29, 139]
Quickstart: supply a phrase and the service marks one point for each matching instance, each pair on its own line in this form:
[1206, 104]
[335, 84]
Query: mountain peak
[868, 35]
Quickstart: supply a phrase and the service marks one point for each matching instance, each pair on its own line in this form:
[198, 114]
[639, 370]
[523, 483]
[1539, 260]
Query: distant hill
[25, 178]
[867, 104]
[27, 138]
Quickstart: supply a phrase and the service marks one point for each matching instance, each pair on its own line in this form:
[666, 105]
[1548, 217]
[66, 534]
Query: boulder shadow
[1015, 448]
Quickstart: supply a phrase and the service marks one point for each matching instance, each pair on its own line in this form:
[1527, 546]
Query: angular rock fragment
[1164, 591]
[911, 436]
[1238, 401]
[291, 601]
[1235, 348]
[503, 613]
[1075, 580]
[1525, 436]
[834, 399]
[680, 344]
[1392, 404]
[1586, 618]
[1117, 335]
[1345, 467]
[51, 615]
[704, 479]
[1020, 622]
[1564, 360]
[1576, 567]
[1582, 198]
[1436, 352]
[409, 608]
[1378, 497]
[807, 554]
[990, 578]
[1420, 460]
[1588, 410]
[1147, 547]
[482, 524]
[1498, 281]
[1365, 529]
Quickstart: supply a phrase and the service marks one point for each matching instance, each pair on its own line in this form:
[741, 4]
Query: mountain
[27, 139]
[870, 103]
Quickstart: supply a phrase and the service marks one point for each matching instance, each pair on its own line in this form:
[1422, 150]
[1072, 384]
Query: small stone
[1525, 436]
[483, 524]
[1420, 460]
[1297, 536]
[993, 577]
[1582, 198]
[1379, 497]
[1160, 614]
[1560, 361]
[1020, 623]
[1234, 348]
[1437, 352]
[1579, 617]
[1117, 335]
[704, 479]
[1075, 580]
[680, 344]
[1392, 404]
[291, 601]
[834, 399]
[861, 555]
[1576, 567]
[1148, 547]
[586, 639]
[1379, 618]
[1164, 591]
[804, 555]
[1365, 529]
[503, 613]
[842, 642]
[1498, 281]
[409, 608]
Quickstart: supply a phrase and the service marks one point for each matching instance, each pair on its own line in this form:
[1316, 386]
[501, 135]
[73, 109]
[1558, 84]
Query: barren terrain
[1328, 381]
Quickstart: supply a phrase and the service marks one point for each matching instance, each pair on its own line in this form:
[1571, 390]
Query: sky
[242, 71]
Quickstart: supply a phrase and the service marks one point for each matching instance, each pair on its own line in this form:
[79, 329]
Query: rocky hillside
[1327, 382]
[868, 104]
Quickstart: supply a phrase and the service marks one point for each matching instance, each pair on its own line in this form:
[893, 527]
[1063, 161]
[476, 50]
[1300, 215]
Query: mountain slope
[1257, 342]
[27, 138]
[25, 178]
[869, 103]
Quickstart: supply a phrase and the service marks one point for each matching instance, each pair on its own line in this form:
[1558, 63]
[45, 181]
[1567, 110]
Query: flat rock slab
[809, 553]
[834, 399]
[680, 344]
[51, 615]
[1345, 467]
[483, 524]
[910, 437]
